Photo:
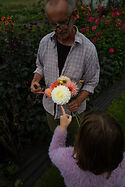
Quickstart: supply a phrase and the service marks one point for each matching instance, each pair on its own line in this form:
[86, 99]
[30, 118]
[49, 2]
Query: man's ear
[75, 14]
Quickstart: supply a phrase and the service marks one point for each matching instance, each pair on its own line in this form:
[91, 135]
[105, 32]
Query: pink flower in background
[111, 50]
[88, 7]
[94, 28]
[95, 39]
[115, 10]
[82, 29]
[82, 8]
[116, 14]
[107, 23]
[79, 3]
[90, 14]
[100, 9]
[97, 20]
[2, 18]
[123, 27]
[83, 4]
[97, 34]
[90, 19]
[102, 37]
[87, 30]
[77, 16]
[102, 17]
[117, 25]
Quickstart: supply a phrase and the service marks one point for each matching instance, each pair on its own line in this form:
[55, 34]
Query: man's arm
[91, 79]
[38, 73]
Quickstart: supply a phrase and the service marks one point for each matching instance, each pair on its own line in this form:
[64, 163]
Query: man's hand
[65, 120]
[73, 105]
[36, 88]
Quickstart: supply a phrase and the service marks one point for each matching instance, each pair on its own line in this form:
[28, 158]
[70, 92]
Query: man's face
[60, 19]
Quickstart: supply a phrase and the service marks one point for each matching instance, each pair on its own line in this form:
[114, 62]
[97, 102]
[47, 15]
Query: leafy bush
[106, 29]
[21, 114]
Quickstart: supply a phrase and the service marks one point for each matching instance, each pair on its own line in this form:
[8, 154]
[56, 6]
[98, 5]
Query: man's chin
[63, 37]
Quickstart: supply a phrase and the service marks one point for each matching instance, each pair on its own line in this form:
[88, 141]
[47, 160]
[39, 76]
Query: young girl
[97, 159]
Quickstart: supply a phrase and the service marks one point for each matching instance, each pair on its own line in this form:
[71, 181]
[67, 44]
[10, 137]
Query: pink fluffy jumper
[61, 156]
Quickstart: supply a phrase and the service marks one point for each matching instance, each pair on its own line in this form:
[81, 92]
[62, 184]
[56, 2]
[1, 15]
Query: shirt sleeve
[57, 145]
[92, 71]
[39, 60]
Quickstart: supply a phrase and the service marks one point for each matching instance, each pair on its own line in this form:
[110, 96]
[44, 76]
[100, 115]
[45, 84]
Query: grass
[117, 110]
[52, 176]
[23, 11]
[15, 3]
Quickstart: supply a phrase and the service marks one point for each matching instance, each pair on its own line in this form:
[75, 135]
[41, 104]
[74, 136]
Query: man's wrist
[82, 96]
[35, 80]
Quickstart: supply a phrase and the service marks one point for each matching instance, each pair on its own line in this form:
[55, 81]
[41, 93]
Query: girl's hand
[65, 120]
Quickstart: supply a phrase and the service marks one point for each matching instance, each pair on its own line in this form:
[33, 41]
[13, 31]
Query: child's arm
[65, 120]
[59, 137]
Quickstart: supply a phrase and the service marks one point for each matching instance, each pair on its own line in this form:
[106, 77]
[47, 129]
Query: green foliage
[55, 179]
[7, 175]
[117, 110]
[25, 12]
[104, 28]
[22, 117]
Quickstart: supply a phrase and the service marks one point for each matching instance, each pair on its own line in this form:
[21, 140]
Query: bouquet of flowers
[62, 90]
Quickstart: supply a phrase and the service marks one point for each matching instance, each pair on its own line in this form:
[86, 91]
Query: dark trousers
[72, 128]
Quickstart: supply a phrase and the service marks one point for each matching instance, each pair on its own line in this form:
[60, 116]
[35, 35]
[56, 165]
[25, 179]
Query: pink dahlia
[111, 50]
[48, 92]
[95, 39]
[123, 27]
[94, 28]
[82, 29]
[72, 88]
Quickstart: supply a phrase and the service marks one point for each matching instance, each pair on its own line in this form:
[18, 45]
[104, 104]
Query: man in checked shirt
[67, 52]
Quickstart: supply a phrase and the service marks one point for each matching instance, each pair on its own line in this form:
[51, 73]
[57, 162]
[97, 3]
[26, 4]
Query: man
[65, 52]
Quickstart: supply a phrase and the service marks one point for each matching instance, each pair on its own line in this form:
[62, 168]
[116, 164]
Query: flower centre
[60, 94]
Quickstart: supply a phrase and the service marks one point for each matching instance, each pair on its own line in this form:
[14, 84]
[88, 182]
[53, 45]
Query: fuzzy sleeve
[57, 145]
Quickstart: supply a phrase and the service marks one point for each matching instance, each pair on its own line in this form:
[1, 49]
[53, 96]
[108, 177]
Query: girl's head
[99, 143]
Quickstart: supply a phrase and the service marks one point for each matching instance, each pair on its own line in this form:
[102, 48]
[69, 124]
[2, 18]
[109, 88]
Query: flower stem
[77, 118]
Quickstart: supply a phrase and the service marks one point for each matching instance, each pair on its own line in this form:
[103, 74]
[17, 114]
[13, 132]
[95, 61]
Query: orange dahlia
[54, 84]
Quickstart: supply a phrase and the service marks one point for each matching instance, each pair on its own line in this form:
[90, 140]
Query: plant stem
[76, 118]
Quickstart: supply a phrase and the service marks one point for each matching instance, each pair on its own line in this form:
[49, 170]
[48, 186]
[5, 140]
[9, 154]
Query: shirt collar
[77, 36]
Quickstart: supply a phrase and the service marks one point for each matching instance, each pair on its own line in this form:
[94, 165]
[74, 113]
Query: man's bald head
[70, 3]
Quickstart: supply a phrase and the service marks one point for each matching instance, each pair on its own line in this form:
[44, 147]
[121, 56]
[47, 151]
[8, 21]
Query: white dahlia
[61, 95]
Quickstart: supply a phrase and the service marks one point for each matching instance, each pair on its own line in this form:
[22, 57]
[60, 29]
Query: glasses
[61, 24]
